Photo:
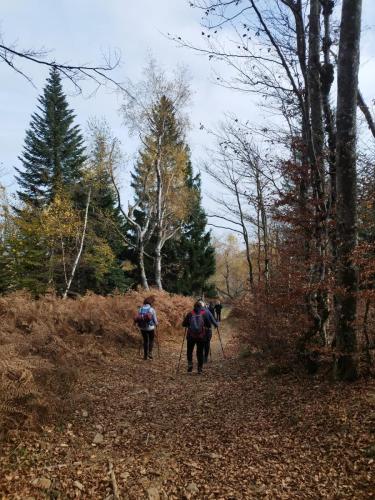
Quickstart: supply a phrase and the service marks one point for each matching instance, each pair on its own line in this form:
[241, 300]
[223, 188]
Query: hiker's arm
[212, 319]
[154, 318]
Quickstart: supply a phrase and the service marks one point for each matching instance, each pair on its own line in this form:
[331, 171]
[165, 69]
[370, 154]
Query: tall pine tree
[53, 152]
[191, 256]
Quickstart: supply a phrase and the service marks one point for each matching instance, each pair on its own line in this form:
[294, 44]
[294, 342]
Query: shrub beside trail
[44, 344]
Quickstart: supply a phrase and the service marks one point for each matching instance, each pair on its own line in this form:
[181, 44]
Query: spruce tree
[191, 257]
[53, 152]
[26, 249]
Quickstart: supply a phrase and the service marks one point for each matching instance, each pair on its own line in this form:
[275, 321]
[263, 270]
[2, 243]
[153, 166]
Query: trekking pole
[222, 348]
[157, 340]
[182, 347]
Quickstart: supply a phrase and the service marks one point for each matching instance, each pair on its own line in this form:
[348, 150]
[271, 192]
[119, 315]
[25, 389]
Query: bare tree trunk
[297, 9]
[346, 274]
[141, 265]
[143, 232]
[327, 76]
[78, 257]
[245, 237]
[259, 245]
[319, 299]
[227, 276]
[366, 335]
[265, 245]
[316, 108]
[264, 225]
[158, 280]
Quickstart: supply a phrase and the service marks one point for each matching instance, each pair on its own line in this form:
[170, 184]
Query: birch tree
[112, 161]
[154, 109]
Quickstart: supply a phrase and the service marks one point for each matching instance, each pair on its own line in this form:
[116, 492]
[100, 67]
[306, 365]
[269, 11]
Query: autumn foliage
[45, 345]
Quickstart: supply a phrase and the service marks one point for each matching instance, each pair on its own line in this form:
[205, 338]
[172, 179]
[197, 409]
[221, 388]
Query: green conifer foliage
[191, 256]
[53, 151]
[28, 261]
[100, 269]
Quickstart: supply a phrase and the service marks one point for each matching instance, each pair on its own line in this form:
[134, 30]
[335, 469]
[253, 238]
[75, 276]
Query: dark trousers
[207, 345]
[148, 341]
[218, 315]
[200, 351]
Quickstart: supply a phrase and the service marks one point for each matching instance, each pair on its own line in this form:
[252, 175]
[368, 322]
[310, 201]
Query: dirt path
[233, 433]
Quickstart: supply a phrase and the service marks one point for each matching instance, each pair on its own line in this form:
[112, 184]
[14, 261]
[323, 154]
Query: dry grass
[45, 344]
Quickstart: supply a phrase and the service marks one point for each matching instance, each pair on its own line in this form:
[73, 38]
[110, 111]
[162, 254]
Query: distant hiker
[146, 321]
[198, 323]
[218, 309]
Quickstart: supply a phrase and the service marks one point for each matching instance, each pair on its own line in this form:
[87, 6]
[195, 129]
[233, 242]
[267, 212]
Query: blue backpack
[144, 318]
[197, 329]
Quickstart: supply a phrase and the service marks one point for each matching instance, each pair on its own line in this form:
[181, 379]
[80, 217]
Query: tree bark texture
[346, 187]
[318, 300]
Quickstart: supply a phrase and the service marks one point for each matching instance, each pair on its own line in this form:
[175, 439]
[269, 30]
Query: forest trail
[233, 433]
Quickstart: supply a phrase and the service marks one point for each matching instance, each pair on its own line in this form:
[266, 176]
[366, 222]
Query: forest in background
[68, 228]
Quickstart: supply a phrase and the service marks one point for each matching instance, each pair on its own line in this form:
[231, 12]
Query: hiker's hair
[199, 304]
[149, 300]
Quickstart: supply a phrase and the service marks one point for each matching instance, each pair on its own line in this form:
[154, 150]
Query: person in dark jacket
[211, 308]
[147, 326]
[197, 339]
[218, 309]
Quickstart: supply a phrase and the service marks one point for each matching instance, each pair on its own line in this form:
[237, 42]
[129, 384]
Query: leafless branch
[75, 73]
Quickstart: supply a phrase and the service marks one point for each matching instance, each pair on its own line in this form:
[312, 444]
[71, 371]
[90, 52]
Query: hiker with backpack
[146, 321]
[198, 325]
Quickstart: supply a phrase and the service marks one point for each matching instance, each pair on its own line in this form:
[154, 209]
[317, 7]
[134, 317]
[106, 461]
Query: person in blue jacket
[147, 321]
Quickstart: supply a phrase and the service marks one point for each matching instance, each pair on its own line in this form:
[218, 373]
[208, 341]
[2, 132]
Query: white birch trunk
[78, 257]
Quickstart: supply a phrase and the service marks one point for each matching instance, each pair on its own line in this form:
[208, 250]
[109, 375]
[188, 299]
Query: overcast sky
[80, 30]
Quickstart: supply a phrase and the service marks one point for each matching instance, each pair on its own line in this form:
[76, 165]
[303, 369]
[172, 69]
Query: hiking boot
[150, 356]
[145, 358]
[200, 371]
[190, 368]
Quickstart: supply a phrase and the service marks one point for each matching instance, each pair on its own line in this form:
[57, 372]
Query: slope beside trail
[233, 433]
